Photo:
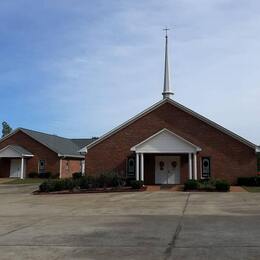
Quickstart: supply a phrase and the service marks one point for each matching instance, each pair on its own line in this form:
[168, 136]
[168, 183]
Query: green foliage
[77, 175]
[136, 185]
[191, 185]
[33, 175]
[207, 185]
[109, 180]
[222, 185]
[249, 181]
[6, 129]
[58, 185]
[87, 182]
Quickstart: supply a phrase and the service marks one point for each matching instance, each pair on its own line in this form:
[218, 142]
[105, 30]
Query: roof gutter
[71, 155]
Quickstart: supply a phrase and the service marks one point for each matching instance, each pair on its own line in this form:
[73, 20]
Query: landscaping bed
[207, 185]
[89, 184]
[98, 190]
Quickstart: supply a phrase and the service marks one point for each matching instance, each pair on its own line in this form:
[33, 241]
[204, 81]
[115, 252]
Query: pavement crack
[178, 229]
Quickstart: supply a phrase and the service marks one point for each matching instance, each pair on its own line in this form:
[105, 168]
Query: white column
[195, 166]
[60, 168]
[142, 167]
[22, 168]
[137, 166]
[190, 167]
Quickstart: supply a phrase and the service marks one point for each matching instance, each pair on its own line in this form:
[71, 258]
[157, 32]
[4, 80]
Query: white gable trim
[174, 103]
[10, 152]
[184, 146]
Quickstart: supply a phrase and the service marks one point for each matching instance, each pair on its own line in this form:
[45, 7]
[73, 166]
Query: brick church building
[168, 144]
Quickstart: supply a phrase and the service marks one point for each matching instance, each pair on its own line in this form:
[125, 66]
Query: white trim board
[10, 151]
[165, 141]
[176, 104]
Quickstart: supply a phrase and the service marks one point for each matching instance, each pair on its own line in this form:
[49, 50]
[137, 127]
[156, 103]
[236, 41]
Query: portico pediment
[165, 141]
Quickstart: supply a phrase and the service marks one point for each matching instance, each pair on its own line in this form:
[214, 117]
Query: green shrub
[87, 182]
[249, 181]
[110, 180]
[33, 175]
[77, 175]
[222, 185]
[207, 184]
[84, 182]
[58, 185]
[47, 186]
[136, 184]
[191, 185]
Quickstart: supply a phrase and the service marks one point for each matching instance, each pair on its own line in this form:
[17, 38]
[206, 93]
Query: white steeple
[167, 93]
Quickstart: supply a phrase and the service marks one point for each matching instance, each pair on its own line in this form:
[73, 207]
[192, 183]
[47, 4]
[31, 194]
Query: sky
[78, 68]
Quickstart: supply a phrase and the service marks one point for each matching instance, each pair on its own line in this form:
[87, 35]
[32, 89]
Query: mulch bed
[99, 190]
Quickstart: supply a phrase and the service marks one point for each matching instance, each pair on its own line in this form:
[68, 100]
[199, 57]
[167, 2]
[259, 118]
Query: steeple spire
[167, 93]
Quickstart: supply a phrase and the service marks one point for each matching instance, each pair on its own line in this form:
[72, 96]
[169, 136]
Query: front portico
[161, 158]
[13, 160]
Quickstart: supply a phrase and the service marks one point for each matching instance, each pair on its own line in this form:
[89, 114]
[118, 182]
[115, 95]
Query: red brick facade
[230, 158]
[70, 166]
[40, 152]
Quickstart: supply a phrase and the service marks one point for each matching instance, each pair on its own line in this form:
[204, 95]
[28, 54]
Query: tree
[6, 129]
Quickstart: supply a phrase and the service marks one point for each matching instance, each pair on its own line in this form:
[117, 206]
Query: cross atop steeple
[166, 29]
[167, 93]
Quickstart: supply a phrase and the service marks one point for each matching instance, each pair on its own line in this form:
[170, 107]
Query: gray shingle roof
[83, 142]
[61, 145]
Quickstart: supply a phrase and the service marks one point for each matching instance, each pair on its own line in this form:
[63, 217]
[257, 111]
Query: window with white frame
[42, 166]
[205, 167]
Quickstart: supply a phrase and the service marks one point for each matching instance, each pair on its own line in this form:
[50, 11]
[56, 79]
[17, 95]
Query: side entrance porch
[165, 158]
[13, 160]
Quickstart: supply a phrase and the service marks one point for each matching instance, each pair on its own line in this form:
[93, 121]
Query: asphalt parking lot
[138, 225]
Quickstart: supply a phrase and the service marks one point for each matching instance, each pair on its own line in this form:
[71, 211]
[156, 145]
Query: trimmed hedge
[58, 185]
[207, 185]
[191, 185]
[222, 185]
[76, 175]
[136, 184]
[110, 180]
[249, 181]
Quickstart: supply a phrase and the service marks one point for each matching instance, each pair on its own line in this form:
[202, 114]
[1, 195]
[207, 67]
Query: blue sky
[79, 68]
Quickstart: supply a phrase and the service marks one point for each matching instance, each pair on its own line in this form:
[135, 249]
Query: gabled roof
[60, 145]
[165, 141]
[14, 151]
[83, 141]
[181, 107]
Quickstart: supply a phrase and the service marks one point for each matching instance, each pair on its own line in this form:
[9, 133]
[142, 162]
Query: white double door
[167, 170]
[15, 168]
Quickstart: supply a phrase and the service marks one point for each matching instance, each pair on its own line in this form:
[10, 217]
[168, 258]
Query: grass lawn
[251, 189]
[24, 181]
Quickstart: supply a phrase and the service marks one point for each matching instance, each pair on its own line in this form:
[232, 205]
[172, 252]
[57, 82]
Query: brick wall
[5, 167]
[229, 157]
[69, 166]
[39, 151]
